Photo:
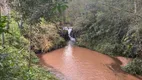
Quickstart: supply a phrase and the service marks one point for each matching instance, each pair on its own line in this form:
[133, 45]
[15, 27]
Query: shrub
[14, 59]
[134, 67]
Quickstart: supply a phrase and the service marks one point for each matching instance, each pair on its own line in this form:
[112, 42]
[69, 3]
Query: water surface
[83, 64]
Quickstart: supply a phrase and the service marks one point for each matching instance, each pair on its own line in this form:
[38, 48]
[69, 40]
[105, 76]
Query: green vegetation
[3, 21]
[39, 18]
[17, 61]
[134, 67]
[44, 37]
[112, 27]
[14, 59]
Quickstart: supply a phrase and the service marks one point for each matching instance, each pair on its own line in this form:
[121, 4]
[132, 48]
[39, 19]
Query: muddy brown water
[76, 63]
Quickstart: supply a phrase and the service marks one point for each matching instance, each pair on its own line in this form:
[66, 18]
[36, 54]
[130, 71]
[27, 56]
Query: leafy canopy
[33, 10]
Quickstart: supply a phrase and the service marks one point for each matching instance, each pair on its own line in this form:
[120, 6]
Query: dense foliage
[39, 18]
[32, 10]
[134, 67]
[113, 27]
[28, 17]
[3, 22]
[110, 29]
[14, 59]
[44, 37]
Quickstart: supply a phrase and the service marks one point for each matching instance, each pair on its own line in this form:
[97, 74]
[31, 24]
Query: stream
[76, 63]
[83, 64]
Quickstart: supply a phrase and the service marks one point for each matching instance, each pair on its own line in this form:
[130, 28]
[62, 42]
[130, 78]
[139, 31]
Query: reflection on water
[69, 60]
[68, 50]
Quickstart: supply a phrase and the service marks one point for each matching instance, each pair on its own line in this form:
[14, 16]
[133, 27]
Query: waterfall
[69, 33]
[68, 48]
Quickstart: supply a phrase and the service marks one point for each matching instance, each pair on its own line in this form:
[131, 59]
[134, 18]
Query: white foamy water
[69, 29]
[68, 48]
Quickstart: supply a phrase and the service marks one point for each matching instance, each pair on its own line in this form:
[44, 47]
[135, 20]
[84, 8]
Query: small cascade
[69, 29]
[68, 48]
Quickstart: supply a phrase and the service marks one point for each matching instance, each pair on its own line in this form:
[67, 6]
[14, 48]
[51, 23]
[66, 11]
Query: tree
[112, 26]
[33, 10]
[4, 10]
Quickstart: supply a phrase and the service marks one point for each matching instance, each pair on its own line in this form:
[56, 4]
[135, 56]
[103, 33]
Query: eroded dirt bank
[83, 64]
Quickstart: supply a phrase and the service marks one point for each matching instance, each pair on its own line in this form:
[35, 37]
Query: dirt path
[84, 64]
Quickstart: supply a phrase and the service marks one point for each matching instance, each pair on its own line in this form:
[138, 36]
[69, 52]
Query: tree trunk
[30, 56]
[2, 35]
[7, 26]
[8, 17]
[3, 39]
[30, 43]
[135, 6]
